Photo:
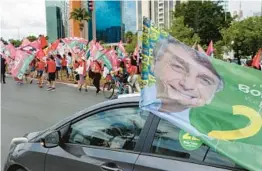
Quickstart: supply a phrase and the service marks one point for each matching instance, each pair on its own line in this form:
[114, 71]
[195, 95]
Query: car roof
[121, 100]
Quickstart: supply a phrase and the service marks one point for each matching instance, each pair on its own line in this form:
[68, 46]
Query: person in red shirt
[40, 67]
[81, 70]
[64, 66]
[51, 70]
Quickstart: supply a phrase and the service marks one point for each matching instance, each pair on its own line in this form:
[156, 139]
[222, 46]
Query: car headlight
[16, 141]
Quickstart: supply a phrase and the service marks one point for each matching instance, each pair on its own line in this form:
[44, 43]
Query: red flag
[256, 60]
[40, 54]
[210, 49]
[43, 42]
[55, 44]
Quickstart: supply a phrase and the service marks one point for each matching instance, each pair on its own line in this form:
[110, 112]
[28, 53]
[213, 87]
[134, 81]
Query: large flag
[10, 50]
[21, 64]
[121, 50]
[43, 42]
[25, 42]
[256, 60]
[212, 102]
[40, 54]
[111, 55]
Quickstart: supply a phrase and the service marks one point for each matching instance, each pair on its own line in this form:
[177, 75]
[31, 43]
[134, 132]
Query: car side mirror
[51, 140]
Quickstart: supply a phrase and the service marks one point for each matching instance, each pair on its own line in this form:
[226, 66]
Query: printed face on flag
[184, 78]
[216, 102]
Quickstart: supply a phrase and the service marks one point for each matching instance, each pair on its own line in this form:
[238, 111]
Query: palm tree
[80, 15]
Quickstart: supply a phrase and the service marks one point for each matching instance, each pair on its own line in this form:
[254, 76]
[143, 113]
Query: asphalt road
[26, 108]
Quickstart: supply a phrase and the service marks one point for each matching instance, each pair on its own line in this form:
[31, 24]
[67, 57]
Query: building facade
[54, 23]
[115, 17]
[159, 11]
[56, 19]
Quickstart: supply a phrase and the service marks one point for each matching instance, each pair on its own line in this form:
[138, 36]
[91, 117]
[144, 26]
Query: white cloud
[22, 18]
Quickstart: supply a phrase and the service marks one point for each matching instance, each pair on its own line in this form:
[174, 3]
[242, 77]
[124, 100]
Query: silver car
[112, 136]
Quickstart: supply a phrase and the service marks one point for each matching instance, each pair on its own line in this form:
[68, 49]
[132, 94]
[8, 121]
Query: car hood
[32, 135]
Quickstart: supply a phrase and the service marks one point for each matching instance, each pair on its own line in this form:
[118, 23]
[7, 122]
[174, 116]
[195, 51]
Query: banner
[217, 103]
[21, 63]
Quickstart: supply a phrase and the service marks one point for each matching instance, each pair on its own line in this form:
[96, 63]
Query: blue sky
[107, 14]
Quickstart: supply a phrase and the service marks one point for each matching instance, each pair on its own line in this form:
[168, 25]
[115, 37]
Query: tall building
[129, 15]
[56, 19]
[257, 14]
[54, 23]
[121, 16]
[159, 11]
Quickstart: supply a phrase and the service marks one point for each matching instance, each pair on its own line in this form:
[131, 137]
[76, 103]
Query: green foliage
[81, 15]
[206, 18]
[46, 37]
[244, 37]
[182, 32]
[31, 38]
[219, 49]
[16, 43]
[128, 37]
[131, 46]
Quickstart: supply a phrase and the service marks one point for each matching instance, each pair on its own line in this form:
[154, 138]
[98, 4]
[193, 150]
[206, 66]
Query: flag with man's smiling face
[214, 103]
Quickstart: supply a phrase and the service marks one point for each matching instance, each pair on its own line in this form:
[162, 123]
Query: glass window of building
[108, 21]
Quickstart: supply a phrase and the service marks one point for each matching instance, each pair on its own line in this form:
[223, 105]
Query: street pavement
[27, 108]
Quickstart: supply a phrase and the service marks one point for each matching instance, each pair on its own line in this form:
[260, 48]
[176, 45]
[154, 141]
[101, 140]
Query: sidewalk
[64, 83]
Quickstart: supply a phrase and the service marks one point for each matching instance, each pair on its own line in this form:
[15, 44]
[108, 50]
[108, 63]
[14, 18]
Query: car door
[109, 140]
[166, 148]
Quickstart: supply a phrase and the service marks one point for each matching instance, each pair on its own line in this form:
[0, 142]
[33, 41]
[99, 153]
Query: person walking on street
[51, 69]
[70, 65]
[64, 67]
[97, 70]
[40, 66]
[3, 69]
[82, 74]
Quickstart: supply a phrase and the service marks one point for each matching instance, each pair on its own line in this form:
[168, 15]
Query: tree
[182, 32]
[132, 45]
[31, 38]
[206, 18]
[244, 37]
[81, 15]
[128, 37]
[16, 43]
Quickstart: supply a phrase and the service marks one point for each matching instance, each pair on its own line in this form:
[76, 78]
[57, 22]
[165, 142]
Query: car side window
[166, 142]
[116, 128]
[213, 157]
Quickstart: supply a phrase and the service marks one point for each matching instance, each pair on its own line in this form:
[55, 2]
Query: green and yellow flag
[218, 103]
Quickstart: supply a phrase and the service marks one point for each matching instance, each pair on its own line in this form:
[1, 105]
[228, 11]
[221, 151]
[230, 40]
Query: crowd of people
[79, 70]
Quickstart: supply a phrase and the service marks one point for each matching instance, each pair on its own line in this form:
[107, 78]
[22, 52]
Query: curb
[67, 84]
